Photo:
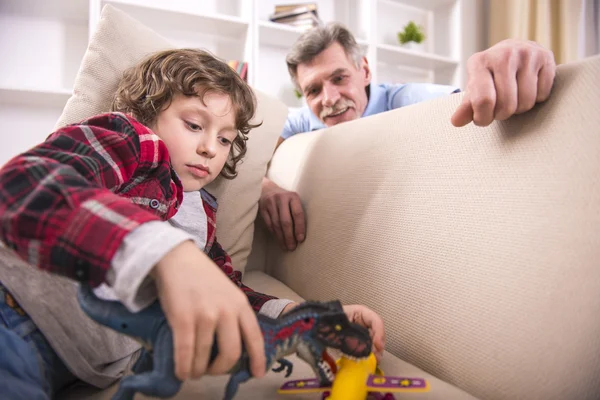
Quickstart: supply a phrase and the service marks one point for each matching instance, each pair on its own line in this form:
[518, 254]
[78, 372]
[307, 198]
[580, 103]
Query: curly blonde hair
[149, 87]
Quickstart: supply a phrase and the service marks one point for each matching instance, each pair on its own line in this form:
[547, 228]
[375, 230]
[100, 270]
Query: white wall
[474, 31]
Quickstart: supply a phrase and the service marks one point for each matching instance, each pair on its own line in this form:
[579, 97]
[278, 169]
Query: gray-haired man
[328, 68]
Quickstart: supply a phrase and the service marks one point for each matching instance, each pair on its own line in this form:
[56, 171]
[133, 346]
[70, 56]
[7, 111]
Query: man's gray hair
[311, 43]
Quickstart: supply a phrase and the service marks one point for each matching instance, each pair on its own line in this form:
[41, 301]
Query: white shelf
[159, 14]
[57, 32]
[71, 10]
[34, 97]
[396, 55]
[423, 4]
[279, 35]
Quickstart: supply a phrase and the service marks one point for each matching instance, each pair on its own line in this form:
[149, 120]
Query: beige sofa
[480, 247]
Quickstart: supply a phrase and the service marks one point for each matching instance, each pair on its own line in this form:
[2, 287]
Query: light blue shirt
[383, 97]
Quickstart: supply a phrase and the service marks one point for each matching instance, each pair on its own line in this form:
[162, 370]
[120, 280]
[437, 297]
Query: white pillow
[118, 43]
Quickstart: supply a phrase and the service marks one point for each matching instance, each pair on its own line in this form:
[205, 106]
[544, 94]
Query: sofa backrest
[480, 247]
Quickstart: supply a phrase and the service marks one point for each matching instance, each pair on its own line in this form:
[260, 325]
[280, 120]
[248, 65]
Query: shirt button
[154, 203]
[81, 272]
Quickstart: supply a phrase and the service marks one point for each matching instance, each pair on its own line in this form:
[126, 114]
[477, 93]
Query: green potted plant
[412, 36]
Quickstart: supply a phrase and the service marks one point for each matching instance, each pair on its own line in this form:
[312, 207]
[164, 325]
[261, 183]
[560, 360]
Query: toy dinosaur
[308, 330]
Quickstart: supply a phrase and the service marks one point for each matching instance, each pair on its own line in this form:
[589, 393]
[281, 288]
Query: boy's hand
[368, 318]
[199, 299]
[365, 317]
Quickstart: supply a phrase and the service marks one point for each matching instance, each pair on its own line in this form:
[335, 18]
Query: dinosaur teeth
[324, 366]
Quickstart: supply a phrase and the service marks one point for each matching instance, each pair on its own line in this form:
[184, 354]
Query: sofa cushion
[266, 388]
[480, 247]
[118, 43]
[212, 388]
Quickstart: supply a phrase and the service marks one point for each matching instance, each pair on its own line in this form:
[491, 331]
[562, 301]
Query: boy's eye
[225, 141]
[193, 126]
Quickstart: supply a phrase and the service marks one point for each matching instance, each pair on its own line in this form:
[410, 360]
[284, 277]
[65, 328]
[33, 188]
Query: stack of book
[241, 67]
[303, 15]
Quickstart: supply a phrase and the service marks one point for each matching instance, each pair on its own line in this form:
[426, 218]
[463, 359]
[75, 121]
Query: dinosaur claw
[284, 364]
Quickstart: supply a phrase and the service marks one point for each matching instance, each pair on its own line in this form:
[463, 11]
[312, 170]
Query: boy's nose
[207, 148]
[330, 95]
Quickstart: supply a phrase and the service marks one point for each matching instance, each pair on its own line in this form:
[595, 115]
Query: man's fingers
[183, 345]
[254, 342]
[285, 222]
[507, 92]
[298, 218]
[230, 345]
[545, 82]
[464, 113]
[527, 81]
[264, 212]
[483, 97]
[274, 214]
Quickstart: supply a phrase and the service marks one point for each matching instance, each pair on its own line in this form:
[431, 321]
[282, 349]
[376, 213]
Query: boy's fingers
[368, 318]
[254, 342]
[230, 345]
[205, 328]
[183, 345]
[374, 321]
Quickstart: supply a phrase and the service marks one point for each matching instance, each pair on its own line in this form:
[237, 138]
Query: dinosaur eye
[124, 325]
[338, 327]
[306, 320]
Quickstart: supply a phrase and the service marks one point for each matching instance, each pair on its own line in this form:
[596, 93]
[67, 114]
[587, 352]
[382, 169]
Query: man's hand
[506, 79]
[198, 300]
[365, 317]
[283, 214]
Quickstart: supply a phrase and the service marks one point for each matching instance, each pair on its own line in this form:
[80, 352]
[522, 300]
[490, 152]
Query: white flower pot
[413, 46]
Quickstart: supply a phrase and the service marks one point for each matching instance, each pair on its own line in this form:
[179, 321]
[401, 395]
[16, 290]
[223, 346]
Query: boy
[90, 204]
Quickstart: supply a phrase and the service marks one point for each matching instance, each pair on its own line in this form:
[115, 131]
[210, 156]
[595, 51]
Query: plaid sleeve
[222, 259]
[58, 207]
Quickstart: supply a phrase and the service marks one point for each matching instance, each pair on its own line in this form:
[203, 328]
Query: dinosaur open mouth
[328, 365]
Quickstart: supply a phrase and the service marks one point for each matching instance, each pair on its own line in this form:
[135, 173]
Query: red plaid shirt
[67, 204]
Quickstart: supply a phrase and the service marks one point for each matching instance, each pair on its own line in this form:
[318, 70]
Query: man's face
[333, 86]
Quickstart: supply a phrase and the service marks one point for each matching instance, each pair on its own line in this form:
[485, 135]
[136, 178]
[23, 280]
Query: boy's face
[198, 136]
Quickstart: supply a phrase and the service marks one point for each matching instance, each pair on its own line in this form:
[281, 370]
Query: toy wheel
[325, 395]
[389, 396]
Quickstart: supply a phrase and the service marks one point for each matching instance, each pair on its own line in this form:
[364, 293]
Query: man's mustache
[337, 107]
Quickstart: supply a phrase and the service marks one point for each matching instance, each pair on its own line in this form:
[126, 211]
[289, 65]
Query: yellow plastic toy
[357, 379]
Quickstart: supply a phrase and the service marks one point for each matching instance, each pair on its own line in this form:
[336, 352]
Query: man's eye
[193, 126]
[338, 79]
[312, 92]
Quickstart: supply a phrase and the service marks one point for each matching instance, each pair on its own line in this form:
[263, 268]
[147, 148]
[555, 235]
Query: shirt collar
[377, 100]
